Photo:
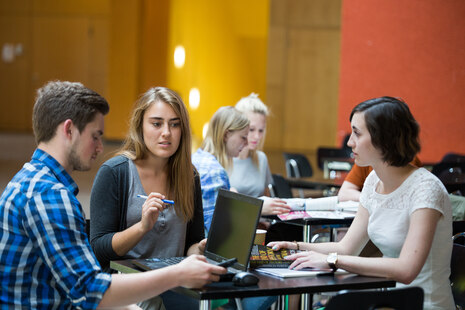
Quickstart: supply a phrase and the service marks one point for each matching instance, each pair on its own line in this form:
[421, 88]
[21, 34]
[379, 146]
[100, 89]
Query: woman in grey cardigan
[155, 161]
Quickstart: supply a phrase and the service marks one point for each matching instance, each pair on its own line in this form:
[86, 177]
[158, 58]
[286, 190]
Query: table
[307, 224]
[271, 286]
[314, 183]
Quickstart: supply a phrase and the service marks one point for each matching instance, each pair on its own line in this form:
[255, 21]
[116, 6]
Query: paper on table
[315, 214]
[351, 206]
[289, 273]
[321, 204]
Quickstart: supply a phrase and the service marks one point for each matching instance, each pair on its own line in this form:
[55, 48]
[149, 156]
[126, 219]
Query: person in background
[45, 257]
[155, 161]
[226, 137]
[251, 174]
[404, 210]
[353, 183]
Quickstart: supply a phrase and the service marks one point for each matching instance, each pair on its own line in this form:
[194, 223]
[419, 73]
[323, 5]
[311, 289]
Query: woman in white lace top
[403, 209]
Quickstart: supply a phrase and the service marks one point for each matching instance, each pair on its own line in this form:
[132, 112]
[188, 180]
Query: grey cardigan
[109, 197]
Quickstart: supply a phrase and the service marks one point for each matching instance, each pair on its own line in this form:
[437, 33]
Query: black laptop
[231, 235]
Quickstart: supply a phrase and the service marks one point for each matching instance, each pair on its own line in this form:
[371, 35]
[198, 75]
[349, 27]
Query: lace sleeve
[429, 193]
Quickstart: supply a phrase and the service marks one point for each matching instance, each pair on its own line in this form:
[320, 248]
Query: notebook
[231, 235]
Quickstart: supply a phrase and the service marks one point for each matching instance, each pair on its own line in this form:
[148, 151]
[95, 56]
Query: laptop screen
[232, 231]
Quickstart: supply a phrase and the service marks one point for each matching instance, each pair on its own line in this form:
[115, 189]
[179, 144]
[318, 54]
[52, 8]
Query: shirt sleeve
[105, 214]
[53, 220]
[195, 230]
[430, 195]
[211, 182]
[357, 175]
[268, 177]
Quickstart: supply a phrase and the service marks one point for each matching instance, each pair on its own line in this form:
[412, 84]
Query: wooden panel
[314, 13]
[311, 94]
[16, 98]
[60, 49]
[278, 13]
[302, 74]
[276, 85]
[98, 55]
[154, 56]
[123, 87]
[82, 7]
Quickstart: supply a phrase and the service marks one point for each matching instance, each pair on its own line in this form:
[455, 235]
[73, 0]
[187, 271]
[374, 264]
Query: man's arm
[349, 191]
[126, 289]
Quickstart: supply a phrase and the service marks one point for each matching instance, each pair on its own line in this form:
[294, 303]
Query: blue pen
[170, 202]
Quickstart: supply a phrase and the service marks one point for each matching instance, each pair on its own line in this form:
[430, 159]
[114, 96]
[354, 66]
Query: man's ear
[68, 128]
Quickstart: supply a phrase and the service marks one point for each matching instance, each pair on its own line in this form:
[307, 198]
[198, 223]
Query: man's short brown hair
[58, 101]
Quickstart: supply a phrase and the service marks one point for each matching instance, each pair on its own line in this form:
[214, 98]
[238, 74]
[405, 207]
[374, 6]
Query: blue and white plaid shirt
[46, 261]
[212, 177]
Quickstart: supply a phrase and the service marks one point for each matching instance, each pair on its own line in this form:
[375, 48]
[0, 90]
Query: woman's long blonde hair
[226, 119]
[253, 104]
[180, 168]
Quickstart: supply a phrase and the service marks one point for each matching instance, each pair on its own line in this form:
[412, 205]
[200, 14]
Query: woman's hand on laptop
[278, 245]
[194, 272]
[197, 248]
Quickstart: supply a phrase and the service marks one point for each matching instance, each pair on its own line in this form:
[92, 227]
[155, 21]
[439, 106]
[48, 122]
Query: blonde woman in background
[226, 137]
[251, 174]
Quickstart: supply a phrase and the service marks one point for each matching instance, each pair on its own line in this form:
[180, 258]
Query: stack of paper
[289, 273]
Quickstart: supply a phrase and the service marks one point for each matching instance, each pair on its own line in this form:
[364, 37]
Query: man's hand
[195, 272]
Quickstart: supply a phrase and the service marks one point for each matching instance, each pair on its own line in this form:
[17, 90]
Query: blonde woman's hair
[226, 119]
[253, 104]
[180, 168]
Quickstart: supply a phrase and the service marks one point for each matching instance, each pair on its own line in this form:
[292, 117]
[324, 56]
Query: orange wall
[410, 49]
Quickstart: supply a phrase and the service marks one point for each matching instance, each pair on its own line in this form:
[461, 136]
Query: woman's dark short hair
[58, 101]
[392, 127]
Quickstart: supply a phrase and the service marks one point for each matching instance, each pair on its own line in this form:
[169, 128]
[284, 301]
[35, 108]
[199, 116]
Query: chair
[410, 298]
[325, 153]
[444, 166]
[457, 274]
[280, 188]
[454, 180]
[297, 166]
[458, 227]
[453, 158]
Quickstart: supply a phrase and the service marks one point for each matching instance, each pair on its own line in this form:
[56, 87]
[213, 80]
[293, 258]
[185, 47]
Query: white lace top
[389, 222]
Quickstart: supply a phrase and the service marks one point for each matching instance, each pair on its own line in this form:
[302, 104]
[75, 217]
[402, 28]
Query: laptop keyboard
[172, 260]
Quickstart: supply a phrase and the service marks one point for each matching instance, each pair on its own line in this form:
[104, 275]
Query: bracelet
[297, 245]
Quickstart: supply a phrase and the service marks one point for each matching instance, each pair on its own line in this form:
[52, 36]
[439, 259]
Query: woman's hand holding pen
[150, 210]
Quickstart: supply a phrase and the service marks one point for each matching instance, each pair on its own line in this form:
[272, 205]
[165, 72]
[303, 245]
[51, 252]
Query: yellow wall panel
[222, 60]
[123, 62]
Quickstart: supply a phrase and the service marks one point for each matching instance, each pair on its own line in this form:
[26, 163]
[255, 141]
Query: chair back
[409, 298]
[454, 180]
[280, 188]
[447, 166]
[453, 158]
[325, 153]
[457, 274]
[297, 165]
